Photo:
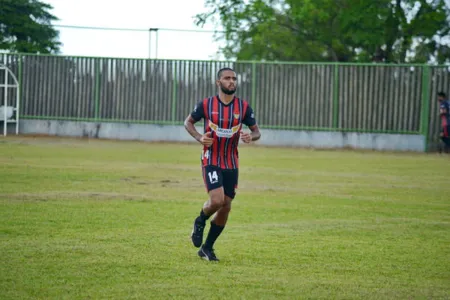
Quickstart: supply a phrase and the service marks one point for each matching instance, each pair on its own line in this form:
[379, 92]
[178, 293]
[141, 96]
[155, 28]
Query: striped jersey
[224, 121]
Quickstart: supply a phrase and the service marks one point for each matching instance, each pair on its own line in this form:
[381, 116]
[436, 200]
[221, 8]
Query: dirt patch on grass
[49, 196]
[39, 139]
[84, 196]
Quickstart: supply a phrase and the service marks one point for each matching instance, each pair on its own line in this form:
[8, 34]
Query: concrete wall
[146, 132]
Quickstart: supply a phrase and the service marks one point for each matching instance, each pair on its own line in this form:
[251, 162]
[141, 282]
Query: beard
[227, 91]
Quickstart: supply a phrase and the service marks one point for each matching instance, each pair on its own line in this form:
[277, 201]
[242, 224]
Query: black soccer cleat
[207, 254]
[197, 233]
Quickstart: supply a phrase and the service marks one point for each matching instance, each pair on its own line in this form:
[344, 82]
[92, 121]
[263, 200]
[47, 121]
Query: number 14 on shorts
[213, 178]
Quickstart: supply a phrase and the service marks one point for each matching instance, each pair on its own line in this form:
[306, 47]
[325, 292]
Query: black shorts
[215, 177]
[446, 141]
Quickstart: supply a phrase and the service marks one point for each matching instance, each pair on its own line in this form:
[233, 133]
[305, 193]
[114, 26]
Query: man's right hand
[206, 139]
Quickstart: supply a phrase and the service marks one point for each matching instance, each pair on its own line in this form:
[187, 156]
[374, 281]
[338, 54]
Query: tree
[332, 30]
[25, 26]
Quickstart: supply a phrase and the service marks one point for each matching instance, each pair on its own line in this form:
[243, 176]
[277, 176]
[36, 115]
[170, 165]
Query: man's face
[440, 98]
[228, 82]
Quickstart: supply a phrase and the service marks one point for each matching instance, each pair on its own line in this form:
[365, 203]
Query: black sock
[213, 234]
[203, 217]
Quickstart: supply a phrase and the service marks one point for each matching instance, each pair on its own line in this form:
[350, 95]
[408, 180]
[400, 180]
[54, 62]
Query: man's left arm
[250, 121]
[256, 135]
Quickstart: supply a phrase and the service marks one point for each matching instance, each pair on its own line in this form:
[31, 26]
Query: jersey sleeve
[198, 112]
[249, 118]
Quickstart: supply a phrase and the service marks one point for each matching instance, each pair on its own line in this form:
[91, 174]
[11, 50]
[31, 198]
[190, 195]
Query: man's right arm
[196, 115]
[190, 127]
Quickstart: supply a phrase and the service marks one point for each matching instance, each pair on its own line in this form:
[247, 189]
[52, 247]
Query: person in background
[444, 114]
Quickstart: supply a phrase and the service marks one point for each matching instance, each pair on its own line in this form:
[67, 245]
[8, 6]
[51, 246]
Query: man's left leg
[218, 223]
[206, 251]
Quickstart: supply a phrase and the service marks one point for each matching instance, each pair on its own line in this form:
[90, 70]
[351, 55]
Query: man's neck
[225, 98]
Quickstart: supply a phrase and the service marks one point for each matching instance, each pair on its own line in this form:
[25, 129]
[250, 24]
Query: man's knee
[222, 214]
[226, 207]
[217, 198]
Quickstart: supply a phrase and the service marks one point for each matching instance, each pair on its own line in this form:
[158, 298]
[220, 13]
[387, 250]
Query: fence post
[174, 94]
[97, 90]
[252, 102]
[336, 97]
[20, 80]
[425, 111]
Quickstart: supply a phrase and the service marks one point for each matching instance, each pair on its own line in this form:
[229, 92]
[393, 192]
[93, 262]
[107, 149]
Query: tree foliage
[25, 26]
[332, 30]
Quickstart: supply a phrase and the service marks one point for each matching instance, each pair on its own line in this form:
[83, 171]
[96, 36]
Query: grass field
[92, 219]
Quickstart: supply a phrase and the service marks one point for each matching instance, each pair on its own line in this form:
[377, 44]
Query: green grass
[85, 219]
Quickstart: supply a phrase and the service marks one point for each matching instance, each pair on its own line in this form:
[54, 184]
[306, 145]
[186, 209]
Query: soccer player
[444, 112]
[223, 115]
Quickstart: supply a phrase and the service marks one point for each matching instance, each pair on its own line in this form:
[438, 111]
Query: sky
[136, 14]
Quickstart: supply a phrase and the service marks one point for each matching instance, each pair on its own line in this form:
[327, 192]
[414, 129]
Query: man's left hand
[246, 137]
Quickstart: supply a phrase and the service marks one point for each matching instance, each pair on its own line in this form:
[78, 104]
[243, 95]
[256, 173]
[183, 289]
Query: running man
[223, 117]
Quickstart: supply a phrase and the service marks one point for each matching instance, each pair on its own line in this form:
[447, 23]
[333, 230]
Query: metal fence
[297, 96]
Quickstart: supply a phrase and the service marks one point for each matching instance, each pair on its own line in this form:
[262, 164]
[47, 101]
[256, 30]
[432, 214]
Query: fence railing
[297, 96]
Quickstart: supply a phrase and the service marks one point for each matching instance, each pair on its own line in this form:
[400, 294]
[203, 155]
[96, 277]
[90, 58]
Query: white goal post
[9, 109]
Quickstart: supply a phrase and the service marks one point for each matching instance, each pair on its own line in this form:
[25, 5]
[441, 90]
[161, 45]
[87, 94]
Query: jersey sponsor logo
[236, 116]
[224, 132]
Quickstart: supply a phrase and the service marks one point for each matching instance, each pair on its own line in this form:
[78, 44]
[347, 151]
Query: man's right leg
[214, 185]
[230, 182]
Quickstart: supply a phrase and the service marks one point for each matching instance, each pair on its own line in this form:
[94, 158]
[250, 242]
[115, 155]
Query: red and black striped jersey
[224, 121]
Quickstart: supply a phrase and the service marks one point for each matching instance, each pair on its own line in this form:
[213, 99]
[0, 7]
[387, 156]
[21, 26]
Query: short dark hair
[219, 73]
[442, 94]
